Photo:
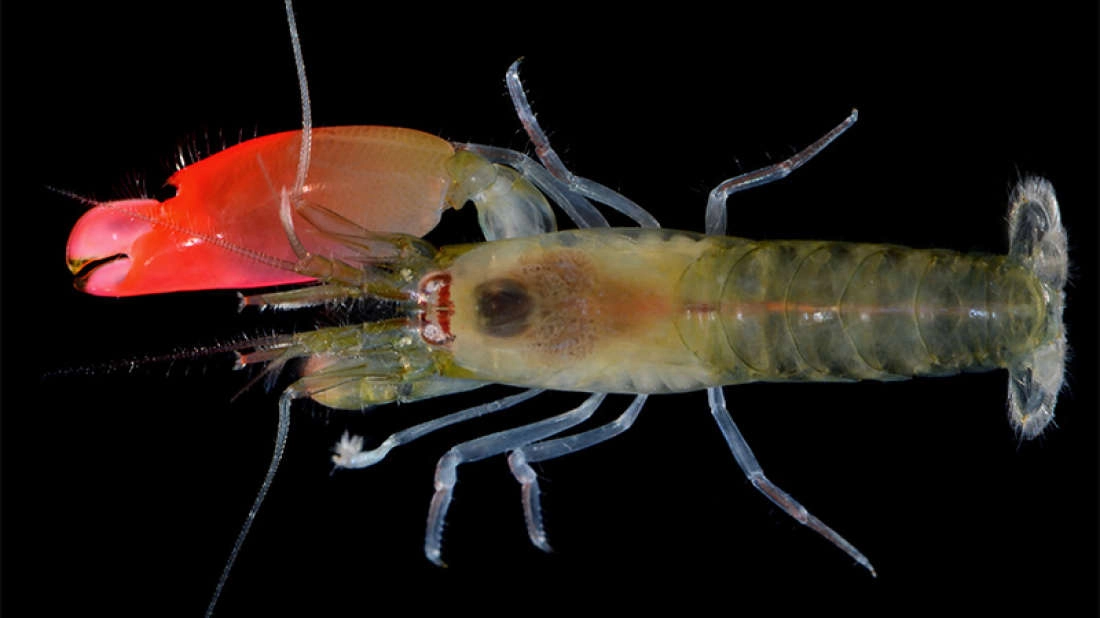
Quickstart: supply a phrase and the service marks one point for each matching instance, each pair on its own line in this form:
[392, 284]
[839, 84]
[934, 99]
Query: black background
[123, 491]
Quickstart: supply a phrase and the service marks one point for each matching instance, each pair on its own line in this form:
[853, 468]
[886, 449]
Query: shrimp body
[646, 311]
[600, 310]
[653, 311]
[657, 311]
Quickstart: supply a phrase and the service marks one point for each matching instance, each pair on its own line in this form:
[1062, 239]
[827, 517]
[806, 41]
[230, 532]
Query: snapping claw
[222, 229]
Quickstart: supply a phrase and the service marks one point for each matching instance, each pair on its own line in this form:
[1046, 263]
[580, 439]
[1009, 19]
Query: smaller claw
[346, 449]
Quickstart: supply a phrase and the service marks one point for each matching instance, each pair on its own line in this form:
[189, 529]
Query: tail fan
[1038, 240]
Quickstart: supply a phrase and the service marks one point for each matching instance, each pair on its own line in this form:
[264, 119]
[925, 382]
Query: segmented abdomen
[806, 310]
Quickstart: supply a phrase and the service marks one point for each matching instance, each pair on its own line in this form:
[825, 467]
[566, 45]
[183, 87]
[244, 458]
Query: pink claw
[222, 228]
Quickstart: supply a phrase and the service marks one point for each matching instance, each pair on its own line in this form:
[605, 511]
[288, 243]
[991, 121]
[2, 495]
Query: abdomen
[806, 310]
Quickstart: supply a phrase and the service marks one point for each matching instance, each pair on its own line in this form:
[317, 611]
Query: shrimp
[510, 306]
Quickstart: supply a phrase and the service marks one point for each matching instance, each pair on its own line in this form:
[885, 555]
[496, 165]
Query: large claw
[222, 228]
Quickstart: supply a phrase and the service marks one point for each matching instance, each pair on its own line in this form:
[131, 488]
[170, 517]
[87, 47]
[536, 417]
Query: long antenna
[288, 396]
[263, 342]
[307, 112]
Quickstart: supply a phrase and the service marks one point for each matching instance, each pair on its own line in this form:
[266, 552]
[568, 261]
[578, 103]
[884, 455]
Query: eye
[503, 306]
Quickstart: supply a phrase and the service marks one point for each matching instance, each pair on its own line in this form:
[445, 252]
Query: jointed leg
[553, 163]
[446, 471]
[520, 459]
[743, 454]
[716, 205]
